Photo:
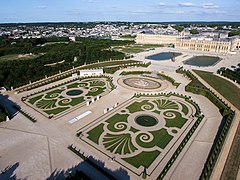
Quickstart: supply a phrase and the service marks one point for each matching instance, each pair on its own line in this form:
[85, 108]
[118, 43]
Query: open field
[17, 57]
[137, 48]
[109, 63]
[227, 89]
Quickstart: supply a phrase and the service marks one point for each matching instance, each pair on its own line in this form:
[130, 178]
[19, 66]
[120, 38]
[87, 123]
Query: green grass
[136, 106]
[33, 100]
[73, 85]
[95, 133]
[142, 159]
[94, 83]
[56, 111]
[133, 130]
[73, 101]
[128, 36]
[76, 101]
[184, 108]
[132, 50]
[137, 48]
[178, 121]
[115, 119]
[119, 143]
[109, 63]
[16, 57]
[46, 104]
[99, 91]
[165, 104]
[135, 72]
[227, 89]
[161, 139]
[57, 91]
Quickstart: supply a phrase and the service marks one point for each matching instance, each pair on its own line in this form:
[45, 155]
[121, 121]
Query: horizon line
[192, 21]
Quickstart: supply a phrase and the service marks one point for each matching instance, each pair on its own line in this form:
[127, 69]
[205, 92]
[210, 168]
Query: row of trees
[234, 33]
[18, 72]
[233, 75]
[3, 114]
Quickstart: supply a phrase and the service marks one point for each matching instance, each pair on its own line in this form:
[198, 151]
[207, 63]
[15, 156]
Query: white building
[91, 72]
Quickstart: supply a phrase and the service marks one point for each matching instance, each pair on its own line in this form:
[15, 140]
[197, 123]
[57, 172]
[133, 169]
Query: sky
[15, 11]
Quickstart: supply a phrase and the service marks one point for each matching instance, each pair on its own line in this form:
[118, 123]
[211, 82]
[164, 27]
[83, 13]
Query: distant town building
[91, 72]
[71, 38]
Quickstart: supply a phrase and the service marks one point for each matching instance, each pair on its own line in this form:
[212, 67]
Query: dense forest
[14, 73]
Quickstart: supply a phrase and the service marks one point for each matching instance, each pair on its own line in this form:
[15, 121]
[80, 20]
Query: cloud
[186, 4]
[210, 6]
[162, 4]
[137, 12]
[179, 12]
[41, 7]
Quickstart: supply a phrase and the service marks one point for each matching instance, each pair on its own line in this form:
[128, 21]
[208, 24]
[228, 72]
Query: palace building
[196, 43]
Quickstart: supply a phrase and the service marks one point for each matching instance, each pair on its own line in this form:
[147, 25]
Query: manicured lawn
[17, 57]
[73, 85]
[76, 101]
[227, 89]
[137, 48]
[73, 101]
[144, 159]
[184, 108]
[119, 143]
[161, 139]
[109, 63]
[136, 106]
[178, 121]
[115, 119]
[49, 94]
[95, 133]
[165, 104]
[140, 147]
[33, 100]
[53, 102]
[46, 104]
[56, 111]
[99, 91]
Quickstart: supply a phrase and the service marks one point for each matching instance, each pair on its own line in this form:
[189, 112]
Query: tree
[194, 31]
[179, 28]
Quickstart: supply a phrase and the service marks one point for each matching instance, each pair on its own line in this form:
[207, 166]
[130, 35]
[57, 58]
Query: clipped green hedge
[196, 87]
[3, 114]
[170, 79]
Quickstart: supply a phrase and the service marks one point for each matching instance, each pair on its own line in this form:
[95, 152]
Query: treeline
[3, 114]
[86, 50]
[233, 75]
[23, 46]
[233, 33]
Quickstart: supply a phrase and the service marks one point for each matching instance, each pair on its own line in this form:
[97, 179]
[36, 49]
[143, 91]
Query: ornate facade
[223, 45]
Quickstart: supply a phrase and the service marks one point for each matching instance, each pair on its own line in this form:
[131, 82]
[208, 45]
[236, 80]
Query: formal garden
[67, 96]
[141, 132]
